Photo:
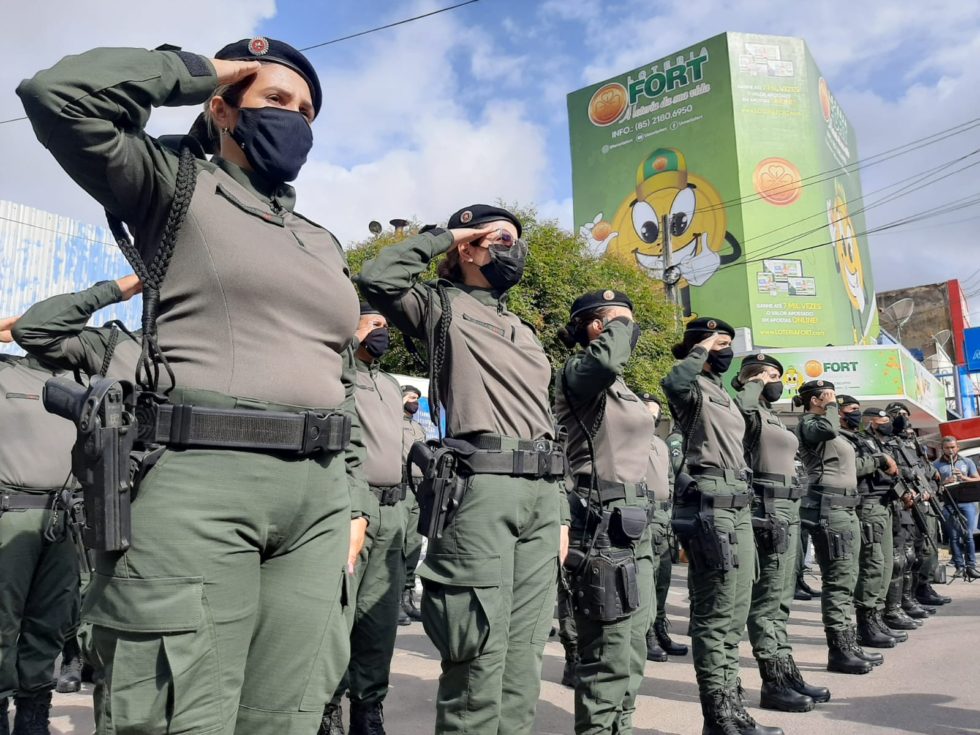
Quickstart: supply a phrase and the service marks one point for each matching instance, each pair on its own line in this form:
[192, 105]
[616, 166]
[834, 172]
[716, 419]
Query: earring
[224, 131]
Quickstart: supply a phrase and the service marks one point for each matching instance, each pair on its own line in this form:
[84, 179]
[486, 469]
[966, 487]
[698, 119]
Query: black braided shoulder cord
[109, 350]
[438, 345]
[153, 275]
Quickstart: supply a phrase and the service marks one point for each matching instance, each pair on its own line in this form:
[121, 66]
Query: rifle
[918, 517]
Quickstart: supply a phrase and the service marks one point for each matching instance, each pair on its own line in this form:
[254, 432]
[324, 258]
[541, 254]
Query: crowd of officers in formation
[260, 584]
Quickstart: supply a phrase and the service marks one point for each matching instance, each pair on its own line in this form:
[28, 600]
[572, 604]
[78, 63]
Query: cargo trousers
[838, 575]
[772, 592]
[875, 563]
[372, 618]
[489, 591]
[38, 590]
[720, 600]
[663, 565]
[612, 655]
[225, 615]
[412, 549]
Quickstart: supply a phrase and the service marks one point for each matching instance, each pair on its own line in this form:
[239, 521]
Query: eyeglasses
[500, 237]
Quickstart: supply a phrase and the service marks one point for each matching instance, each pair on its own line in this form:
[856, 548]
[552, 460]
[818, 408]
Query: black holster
[441, 489]
[602, 577]
[104, 415]
[708, 548]
[771, 535]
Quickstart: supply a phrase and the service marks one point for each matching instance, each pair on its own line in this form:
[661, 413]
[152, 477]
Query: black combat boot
[867, 634]
[70, 676]
[366, 719]
[777, 693]
[927, 595]
[900, 636]
[654, 651]
[672, 648]
[409, 605]
[912, 608]
[875, 659]
[795, 679]
[568, 677]
[717, 710]
[802, 585]
[841, 656]
[895, 616]
[743, 720]
[331, 723]
[4, 722]
[32, 714]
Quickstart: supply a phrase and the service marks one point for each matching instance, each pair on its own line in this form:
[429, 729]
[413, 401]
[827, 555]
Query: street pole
[669, 288]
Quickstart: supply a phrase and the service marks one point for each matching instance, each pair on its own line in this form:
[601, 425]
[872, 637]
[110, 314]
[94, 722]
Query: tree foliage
[559, 269]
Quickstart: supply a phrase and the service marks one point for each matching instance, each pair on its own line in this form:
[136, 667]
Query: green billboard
[738, 149]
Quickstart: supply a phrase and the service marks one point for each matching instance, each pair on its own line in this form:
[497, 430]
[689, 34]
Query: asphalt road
[928, 685]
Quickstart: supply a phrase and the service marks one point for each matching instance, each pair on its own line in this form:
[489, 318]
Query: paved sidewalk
[929, 685]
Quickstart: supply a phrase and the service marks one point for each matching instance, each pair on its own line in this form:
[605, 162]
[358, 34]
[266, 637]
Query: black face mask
[900, 423]
[852, 419]
[721, 360]
[506, 266]
[885, 429]
[275, 141]
[772, 392]
[376, 342]
[411, 407]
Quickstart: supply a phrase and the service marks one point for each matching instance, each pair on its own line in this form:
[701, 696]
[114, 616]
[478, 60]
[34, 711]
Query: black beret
[410, 389]
[761, 358]
[815, 386]
[598, 299]
[481, 214]
[707, 325]
[895, 407]
[845, 400]
[873, 412]
[366, 308]
[275, 52]
[649, 398]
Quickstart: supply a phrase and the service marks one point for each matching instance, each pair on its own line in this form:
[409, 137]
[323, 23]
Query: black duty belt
[611, 491]
[875, 499]
[780, 493]
[743, 475]
[18, 500]
[775, 478]
[391, 495]
[304, 434]
[837, 497]
[498, 455]
[736, 501]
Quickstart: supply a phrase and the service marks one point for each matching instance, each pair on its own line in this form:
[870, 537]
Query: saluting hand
[6, 328]
[130, 286]
[469, 234]
[710, 341]
[230, 72]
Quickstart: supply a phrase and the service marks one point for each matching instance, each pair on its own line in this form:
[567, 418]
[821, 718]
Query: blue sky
[470, 105]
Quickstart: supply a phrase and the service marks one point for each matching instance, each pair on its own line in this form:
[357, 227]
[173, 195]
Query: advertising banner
[738, 149]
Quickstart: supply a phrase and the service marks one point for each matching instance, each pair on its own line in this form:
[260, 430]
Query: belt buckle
[315, 434]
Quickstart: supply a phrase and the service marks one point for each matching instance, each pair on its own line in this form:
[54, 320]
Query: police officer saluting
[829, 511]
[770, 449]
[712, 518]
[379, 570]
[608, 448]
[492, 560]
[195, 625]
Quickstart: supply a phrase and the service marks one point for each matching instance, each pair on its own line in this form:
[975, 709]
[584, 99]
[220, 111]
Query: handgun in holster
[105, 420]
[440, 490]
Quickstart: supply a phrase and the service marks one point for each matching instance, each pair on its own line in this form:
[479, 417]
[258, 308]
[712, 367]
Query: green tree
[558, 271]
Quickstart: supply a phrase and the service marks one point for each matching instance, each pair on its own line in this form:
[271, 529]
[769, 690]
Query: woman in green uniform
[491, 564]
[208, 623]
[608, 447]
[770, 449]
[713, 520]
[829, 511]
